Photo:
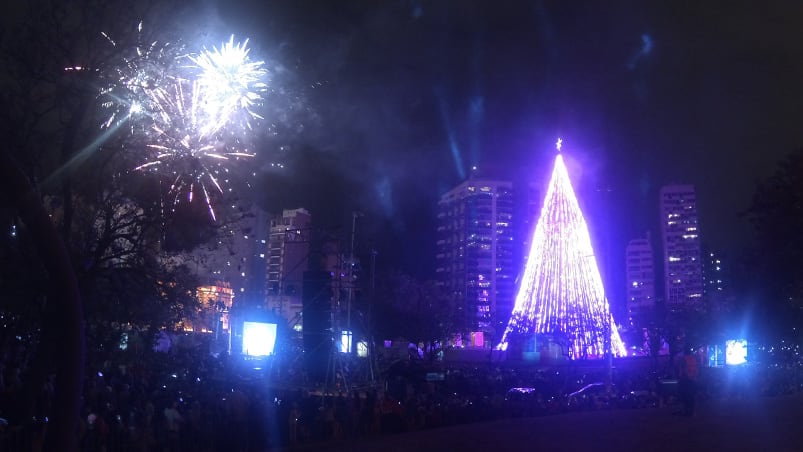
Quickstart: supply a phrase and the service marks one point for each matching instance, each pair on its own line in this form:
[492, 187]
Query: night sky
[396, 100]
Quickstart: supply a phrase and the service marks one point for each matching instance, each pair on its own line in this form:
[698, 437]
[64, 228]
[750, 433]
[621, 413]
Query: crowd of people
[186, 399]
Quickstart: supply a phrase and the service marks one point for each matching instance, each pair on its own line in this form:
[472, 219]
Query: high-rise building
[236, 257]
[640, 273]
[475, 249]
[713, 273]
[715, 283]
[288, 259]
[526, 211]
[683, 273]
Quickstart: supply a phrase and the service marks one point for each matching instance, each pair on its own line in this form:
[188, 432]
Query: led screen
[345, 342]
[735, 352]
[258, 338]
[715, 356]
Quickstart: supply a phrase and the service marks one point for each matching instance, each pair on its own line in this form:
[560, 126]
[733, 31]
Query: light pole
[354, 216]
[370, 321]
[608, 321]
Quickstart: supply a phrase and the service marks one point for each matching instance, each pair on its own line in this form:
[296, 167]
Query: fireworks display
[230, 82]
[561, 291]
[187, 112]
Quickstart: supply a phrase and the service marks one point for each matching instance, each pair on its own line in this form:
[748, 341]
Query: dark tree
[776, 213]
[413, 309]
[85, 237]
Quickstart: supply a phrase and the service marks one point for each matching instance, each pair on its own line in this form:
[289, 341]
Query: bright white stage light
[259, 338]
[735, 352]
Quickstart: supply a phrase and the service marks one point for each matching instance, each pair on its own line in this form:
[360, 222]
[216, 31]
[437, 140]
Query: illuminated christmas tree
[561, 292]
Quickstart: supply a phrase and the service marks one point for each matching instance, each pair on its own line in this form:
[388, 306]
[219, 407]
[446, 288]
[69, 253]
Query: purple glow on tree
[561, 292]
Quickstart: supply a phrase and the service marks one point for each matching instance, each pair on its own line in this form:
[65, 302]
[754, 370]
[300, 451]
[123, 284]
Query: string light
[561, 291]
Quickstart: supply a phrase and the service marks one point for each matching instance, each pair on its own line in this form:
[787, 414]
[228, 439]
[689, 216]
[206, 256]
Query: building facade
[215, 304]
[683, 269]
[640, 274]
[475, 253]
[288, 254]
[236, 256]
[716, 281]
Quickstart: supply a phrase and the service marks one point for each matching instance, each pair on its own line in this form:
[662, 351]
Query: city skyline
[401, 126]
[373, 117]
[463, 200]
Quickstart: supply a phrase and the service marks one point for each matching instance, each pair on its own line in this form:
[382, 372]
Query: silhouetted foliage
[776, 213]
[416, 310]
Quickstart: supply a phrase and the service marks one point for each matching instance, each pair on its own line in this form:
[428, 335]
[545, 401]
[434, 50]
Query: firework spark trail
[142, 68]
[231, 81]
[209, 203]
[187, 108]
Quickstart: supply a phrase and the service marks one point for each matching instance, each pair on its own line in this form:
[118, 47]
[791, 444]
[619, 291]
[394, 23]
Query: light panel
[259, 339]
[735, 352]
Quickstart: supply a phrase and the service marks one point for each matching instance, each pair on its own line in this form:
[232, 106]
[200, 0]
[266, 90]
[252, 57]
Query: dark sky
[405, 96]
